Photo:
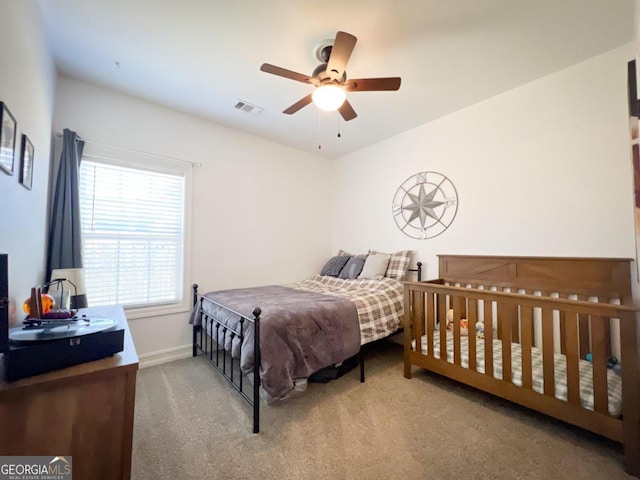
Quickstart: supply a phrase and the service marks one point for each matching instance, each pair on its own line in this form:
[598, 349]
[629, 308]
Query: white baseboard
[164, 356]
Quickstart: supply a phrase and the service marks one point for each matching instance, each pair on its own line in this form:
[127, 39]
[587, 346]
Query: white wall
[27, 81]
[261, 211]
[543, 169]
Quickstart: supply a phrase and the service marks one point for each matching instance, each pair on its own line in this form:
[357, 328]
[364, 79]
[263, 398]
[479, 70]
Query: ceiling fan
[330, 79]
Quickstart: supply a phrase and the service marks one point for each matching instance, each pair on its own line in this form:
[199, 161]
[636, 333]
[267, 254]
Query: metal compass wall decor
[425, 205]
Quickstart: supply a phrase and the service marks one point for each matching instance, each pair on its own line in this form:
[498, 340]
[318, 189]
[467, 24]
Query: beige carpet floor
[190, 424]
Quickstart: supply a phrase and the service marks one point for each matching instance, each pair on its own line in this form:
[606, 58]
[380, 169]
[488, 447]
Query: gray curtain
[65, 241]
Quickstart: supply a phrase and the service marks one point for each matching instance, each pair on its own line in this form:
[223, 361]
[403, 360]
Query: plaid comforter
[379, 301]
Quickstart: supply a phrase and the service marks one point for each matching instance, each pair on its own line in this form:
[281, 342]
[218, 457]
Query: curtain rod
[157, 155]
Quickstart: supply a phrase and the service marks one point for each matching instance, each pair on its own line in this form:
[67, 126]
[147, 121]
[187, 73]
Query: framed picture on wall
[26, 162]
[8, 127]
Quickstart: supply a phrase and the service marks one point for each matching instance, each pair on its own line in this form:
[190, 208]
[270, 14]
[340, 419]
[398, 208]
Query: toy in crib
[612, 363]
[480, 329]
[464, 324]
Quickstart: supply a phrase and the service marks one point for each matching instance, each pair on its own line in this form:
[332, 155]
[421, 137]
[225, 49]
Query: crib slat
[464, 312]
[526, 343]
[599, 363]
[457, 308]
[442, 318]
[583, 331]
[511, 311]
[607, 333]
[430, 322]
[505, 321]
[572, 356]
[408, 322]
[547, 352]
[488, 338]
[607, 323]
[418, 323]
[563, 334]
[529, 292]
[515, 324]
[472, 318]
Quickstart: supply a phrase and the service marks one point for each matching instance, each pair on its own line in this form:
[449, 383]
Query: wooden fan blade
[372, 84]
[303, 102]
[341, 50]
[347, 111]
[283, 72]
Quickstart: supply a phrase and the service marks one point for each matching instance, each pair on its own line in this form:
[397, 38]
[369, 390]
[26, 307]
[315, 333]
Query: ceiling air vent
[248, 108]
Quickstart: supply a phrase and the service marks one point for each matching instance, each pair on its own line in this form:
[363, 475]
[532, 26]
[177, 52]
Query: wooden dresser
[85, 411]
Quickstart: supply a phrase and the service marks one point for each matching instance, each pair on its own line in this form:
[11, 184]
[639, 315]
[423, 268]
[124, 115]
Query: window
[133, 227]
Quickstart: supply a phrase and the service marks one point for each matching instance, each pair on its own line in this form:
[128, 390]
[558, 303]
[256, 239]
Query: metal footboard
[210, 337]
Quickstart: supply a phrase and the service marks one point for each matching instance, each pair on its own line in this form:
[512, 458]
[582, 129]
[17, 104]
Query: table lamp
[73, 282]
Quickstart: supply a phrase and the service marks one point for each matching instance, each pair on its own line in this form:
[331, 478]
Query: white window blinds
[133, 234]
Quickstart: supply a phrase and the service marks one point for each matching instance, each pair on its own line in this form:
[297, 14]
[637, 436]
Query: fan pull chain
[319, 128]
[339, 123]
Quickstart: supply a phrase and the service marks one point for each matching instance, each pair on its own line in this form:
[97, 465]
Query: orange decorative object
[47, 303]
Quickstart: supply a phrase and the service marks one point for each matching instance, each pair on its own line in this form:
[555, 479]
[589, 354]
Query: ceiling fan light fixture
[330, 78]
[329, 97]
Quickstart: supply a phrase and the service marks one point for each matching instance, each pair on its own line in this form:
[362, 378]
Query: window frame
[161, 164]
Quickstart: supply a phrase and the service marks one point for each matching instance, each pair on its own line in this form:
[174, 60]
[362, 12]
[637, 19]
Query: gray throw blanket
[300, 332]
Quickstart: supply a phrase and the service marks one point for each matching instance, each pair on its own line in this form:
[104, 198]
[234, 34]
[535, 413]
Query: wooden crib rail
[585, 325]
[594, 308]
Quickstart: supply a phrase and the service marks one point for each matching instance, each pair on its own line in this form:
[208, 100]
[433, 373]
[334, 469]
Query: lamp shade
[328, 97]
[74, 283]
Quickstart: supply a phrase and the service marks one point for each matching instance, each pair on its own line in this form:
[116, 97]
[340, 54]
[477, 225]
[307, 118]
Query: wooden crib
[553, 330]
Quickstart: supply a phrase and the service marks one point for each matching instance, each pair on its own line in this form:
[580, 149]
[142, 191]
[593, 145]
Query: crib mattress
[614, 380]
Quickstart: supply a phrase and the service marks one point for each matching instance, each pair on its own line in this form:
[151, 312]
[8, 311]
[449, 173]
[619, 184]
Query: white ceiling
[202, 56]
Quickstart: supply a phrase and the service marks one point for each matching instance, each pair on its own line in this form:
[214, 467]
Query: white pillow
[375, 266]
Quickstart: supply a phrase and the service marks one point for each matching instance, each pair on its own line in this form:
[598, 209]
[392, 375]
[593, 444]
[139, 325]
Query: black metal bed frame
[203, 340]
[223, 361]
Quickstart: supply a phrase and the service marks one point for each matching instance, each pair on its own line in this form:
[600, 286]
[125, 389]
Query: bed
[269, 340]
[557, 335]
